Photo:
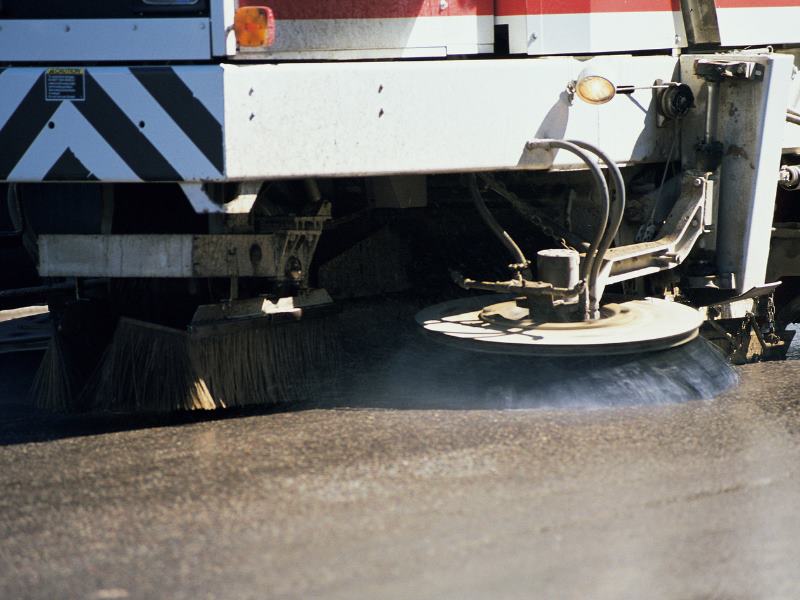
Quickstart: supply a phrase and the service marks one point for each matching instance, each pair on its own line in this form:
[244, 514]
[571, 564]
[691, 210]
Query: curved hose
[615, 219]
[496, 228]
[609, 223]
[592, 254]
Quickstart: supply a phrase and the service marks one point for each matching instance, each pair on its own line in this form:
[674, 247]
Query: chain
[772, 331]
[741, 341]
[528, 211]
[744, 329]
[548, 231]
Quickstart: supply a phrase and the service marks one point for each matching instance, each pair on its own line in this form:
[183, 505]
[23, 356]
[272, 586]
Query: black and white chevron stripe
[135, 124]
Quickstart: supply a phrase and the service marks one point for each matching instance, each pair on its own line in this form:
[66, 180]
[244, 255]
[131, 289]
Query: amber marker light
[595, 83]
[254, 26]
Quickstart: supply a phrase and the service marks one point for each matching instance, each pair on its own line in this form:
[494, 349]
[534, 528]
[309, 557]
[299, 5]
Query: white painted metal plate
[157, 255]
[93, 40]
[293, 120]
[115, 256]
[749, 22]
[579, 27]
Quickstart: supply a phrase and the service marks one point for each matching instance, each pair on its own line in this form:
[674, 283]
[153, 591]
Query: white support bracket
[203, 203]
[683, 227]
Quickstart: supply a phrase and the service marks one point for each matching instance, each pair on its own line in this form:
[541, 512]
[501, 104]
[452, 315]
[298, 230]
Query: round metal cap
[496, 324]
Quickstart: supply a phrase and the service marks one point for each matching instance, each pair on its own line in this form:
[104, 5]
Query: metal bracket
[756, 292]
[702, 26]
[717, 70]
[521, 287]
[262, 307]
[203, 203]
[681, 230]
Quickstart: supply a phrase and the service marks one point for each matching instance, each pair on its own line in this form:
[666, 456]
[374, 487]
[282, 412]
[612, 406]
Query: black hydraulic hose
[602, 186]
[14, 211]
[19, 222]
[615, 219]
[496, 228]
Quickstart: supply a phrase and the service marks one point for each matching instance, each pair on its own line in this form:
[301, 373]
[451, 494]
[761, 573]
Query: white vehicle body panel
[588, 33]
[92, 40]
[345, 39]
[765, 22]
[378, 118]
[333, 119]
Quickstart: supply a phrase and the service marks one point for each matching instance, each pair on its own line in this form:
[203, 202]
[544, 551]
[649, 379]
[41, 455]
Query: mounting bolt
[698, 182]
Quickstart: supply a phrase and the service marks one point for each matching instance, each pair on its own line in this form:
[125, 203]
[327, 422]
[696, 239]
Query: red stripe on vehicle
[397, 9]
[757, 3]
[509, 8]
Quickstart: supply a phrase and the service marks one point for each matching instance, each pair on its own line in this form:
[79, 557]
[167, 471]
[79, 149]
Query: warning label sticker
[64, 84]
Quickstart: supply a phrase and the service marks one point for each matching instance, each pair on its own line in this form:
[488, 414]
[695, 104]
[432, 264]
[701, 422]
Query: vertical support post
[750, 127]
[223, 41]
[700, 19]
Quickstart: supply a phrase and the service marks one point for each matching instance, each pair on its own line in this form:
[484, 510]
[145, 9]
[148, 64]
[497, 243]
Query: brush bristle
[154, 369]
[51, 389]
[147, 369]
[264, 365]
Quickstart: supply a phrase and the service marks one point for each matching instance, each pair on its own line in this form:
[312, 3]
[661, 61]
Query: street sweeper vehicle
[198, 182]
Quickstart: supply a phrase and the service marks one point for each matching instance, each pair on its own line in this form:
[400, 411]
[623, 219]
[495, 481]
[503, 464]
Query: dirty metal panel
[239, 255]
[578, 26]
[700, 19]
[318, 29]
[751, 160]
[115, 255]
[293, 120]
[157, 255]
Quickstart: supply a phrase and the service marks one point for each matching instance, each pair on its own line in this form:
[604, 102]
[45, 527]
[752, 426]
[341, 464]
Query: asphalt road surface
[662, 489]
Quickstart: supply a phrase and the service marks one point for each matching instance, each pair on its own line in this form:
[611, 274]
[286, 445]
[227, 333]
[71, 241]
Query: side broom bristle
[52, 384]
[147, 368]
[268, 365]
[150, 368]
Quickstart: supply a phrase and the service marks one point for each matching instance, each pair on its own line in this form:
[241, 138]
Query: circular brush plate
[486, 324]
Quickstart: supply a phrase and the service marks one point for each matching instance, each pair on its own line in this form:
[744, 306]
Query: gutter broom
[234, 354]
